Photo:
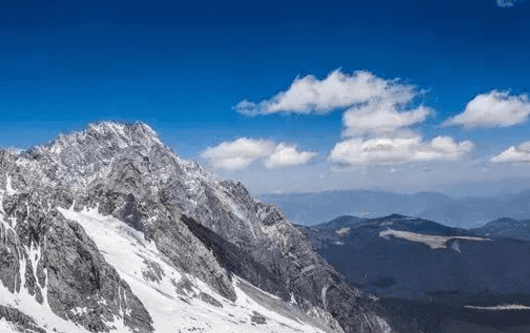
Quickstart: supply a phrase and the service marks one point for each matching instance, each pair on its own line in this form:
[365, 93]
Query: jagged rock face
[52, 254]
[20, 321]
[207, 227]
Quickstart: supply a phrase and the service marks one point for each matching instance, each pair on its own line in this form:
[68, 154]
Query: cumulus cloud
[519, 154]
[381, 117]
[374, 105]
[494, 109]
[376, 122]
[360, 151]
[285, 156]
[338, 90]
[239, 154]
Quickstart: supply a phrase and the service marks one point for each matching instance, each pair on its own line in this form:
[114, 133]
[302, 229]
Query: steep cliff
[92, 219]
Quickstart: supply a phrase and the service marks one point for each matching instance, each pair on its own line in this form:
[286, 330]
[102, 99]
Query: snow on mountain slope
[505, 307]
[9, 190]
[26, 303]
[434, 242]
[156, 283]
[7, 327]
[176, 301]
[109, 227]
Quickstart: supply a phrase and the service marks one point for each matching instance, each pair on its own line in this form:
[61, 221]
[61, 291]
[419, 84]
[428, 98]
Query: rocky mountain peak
[122, 134]
[76, 159]
[62, 200]
[106, 135]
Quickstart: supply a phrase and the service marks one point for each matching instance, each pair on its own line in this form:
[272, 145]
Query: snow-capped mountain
[108, 230]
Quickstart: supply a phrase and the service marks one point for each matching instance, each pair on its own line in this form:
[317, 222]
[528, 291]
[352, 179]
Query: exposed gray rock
[9, 260]
[77, 274]
[21, 321]
[326, 318]
[153, 271]
[257, 318]
[184, 286]
[209, 299]
[207, 227]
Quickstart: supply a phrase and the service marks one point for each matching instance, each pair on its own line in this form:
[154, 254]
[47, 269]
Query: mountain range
[469, 212]
[108, 230]
[506, 228]
[430, 277]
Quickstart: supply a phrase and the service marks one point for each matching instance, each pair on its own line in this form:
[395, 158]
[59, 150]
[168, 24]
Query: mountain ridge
[439, 278]
[506, 227]
[124, 180]
[467, 212]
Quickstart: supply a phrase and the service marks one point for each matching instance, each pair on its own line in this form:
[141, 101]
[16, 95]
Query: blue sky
[184, 67]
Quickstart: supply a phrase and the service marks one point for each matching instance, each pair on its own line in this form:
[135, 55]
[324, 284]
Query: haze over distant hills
[468, 212]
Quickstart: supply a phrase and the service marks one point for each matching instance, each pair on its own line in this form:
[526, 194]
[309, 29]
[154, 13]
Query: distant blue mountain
[469, 212]
[340, 222]
[430, 273]
[506, 228]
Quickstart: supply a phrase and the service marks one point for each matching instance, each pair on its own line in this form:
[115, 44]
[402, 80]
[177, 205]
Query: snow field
[126, 250]
[434, 242]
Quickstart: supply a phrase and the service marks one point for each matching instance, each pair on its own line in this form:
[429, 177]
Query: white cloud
[381, 117]
[374, 104]
[285, 156]
[338, 90]
[494, 109]
[239, 154]
[360, 151]
[519, 154]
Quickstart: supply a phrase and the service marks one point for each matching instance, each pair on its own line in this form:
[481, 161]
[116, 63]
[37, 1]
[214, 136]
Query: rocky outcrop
[207, 227]
[20, 321]
[41, 250]
[326, 318]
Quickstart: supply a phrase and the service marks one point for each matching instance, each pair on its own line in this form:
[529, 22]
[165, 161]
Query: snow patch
[122, 246]
[79, 311]
[307, 269]
[342, 232]
[2, 212]
[456, 246]
[293, 300]
[434, 242]
[41, 313]
[506, 307]
[9, 189]
[275, 321]
[324, 291]
[7, 327]
[125, 249]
